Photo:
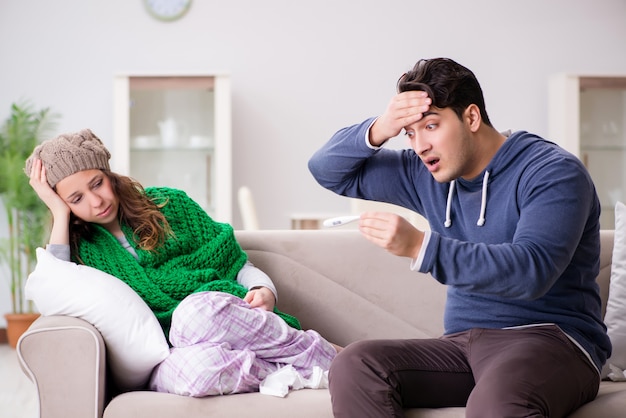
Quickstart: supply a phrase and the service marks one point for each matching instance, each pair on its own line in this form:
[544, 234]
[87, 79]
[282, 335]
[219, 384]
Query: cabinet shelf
[601, 147]
[174, 149]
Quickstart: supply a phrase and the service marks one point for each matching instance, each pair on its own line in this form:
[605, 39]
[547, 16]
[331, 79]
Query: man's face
[444, 144]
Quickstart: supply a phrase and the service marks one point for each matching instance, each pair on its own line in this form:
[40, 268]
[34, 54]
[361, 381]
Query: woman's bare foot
[338, 348]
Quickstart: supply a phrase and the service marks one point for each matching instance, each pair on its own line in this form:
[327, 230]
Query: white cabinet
[588, 118]
[175, 131]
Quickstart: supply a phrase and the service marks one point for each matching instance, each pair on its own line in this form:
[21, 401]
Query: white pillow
[615, 317]
[134, 339]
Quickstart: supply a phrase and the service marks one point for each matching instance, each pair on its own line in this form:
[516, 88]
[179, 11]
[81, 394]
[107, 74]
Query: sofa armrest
[65, 359]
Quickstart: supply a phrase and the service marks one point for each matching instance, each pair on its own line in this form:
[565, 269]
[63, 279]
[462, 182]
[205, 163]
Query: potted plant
[27, 217]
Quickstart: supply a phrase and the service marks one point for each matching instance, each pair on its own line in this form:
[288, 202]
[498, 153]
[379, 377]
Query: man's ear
[472, 117]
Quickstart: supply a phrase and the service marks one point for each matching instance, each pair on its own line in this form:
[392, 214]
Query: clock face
[167, 10]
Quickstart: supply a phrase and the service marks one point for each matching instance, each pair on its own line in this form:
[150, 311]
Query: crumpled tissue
[279, 382]
[616, 374]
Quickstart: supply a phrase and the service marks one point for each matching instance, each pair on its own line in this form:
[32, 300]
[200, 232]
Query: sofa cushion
[134, 339]
[615, 318]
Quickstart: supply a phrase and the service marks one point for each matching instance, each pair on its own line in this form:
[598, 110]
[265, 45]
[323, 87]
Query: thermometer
[340, 220]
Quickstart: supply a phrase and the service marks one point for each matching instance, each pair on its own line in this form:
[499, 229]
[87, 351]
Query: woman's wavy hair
[447, 83]
[142, 214]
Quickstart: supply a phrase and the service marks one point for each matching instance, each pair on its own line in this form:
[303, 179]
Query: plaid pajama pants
[221, 346]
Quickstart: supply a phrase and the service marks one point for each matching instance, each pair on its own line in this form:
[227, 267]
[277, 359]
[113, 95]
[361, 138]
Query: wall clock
[167, 10]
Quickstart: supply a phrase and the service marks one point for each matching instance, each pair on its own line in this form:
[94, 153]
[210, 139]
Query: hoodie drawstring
[483, 202]
[448, 222]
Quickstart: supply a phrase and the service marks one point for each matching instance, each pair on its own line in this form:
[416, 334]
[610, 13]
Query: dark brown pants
[529, 372]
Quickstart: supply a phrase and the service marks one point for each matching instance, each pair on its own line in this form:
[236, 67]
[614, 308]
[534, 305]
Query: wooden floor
[17, 392]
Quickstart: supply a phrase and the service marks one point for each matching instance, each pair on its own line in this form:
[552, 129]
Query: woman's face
[90, 197]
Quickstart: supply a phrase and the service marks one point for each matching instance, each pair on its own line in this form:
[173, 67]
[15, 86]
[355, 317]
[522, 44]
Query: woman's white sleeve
[60, 251]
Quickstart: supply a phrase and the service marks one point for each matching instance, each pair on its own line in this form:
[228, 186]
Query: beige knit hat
[68, 154]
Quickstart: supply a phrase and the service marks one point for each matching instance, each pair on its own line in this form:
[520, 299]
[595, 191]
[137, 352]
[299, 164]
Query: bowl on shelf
[145, 141]
[200, 141]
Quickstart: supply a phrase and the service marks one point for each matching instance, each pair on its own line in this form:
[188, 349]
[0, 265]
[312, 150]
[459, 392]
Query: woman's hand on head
[39, 182]
[261, 297]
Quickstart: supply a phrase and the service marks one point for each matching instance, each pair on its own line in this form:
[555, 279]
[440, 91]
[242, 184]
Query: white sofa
[334, 281]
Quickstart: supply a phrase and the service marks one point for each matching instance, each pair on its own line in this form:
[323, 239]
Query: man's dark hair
[447, 83]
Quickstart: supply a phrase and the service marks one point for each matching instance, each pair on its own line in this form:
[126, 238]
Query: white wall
[301, 70]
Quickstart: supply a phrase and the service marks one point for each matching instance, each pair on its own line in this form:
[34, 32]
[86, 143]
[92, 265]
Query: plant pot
[17, 324]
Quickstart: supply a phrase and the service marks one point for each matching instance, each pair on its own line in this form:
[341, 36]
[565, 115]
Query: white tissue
[616, 374]
[285, 378]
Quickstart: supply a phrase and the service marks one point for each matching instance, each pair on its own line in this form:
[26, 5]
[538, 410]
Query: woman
[217, 309]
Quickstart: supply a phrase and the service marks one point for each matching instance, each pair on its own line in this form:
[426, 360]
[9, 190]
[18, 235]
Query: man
[515, 237]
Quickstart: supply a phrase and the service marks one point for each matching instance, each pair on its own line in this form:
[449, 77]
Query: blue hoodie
[517, 245]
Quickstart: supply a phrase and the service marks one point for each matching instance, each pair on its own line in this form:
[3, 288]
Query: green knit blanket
[201, 255]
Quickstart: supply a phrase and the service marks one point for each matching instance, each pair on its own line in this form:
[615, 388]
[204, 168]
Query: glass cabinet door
[603, 144]
[588, 118]
[174, 131]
